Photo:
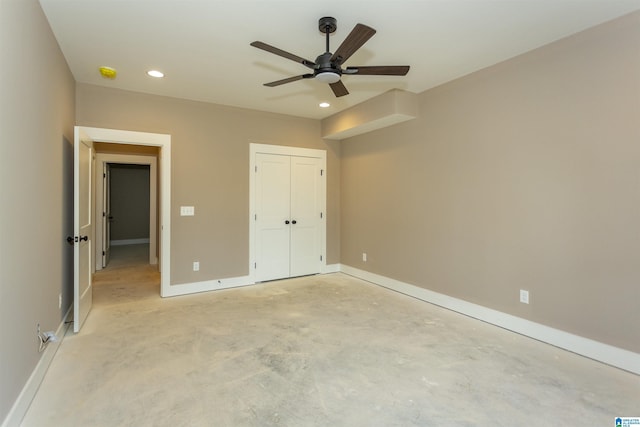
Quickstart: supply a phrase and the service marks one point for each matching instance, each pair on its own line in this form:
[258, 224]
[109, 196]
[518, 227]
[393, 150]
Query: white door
[273, 191]
[288, 216]
[305, 216]
[106, 213]
[82, 227]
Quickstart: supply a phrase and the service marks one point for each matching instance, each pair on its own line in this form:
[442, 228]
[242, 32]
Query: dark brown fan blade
[289, 80]
[354, 41]
[339, 89]
[384, 70]
[280, 52]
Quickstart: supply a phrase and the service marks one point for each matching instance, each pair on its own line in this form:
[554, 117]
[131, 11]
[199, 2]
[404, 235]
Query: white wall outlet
[59, 300]
[524, 296]
[187, 210]
[196, 265]
[364, 256]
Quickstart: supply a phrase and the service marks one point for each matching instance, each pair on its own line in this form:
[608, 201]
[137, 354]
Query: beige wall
[36, 176]
[525, 175]
[210, 170]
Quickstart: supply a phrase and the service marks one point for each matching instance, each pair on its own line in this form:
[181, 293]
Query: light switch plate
[187, 211]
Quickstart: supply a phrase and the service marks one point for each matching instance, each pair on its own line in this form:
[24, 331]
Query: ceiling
[203, 48]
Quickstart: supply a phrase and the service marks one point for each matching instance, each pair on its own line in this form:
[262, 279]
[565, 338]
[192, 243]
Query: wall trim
[125, 242]
[331, 268]
[228, 283]
[605, 353]
[28, 393]
[208, 285]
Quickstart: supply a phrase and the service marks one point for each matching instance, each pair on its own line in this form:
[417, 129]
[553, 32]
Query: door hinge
[320, 257]
[320, 215]
[255, 265]
[321, 172]
[103, 254]
[255, 217]
[104, 175]
[256, 168]
[104, 214]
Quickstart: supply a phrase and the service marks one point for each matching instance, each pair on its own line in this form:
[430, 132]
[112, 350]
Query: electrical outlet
[364, 256]
[196, 265]
[524, 296]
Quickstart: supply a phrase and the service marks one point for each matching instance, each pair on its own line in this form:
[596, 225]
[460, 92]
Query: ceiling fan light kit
[328, 77]
[327, 67]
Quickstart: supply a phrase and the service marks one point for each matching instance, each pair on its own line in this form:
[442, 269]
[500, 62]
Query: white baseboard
[22, 403]
[207, 285]
[232, 282]
[614, 356]
[128, 242]
[330, 268]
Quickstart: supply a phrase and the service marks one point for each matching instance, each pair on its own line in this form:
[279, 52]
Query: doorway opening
[157, 146]
[127, 227]
[126, 202]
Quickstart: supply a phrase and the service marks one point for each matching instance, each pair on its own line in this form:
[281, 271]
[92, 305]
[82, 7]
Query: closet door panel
[273, 193]
[305, 216]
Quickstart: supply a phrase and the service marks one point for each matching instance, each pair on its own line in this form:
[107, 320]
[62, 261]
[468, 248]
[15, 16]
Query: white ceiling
[203, 45]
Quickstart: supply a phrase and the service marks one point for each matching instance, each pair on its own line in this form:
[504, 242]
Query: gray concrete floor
[325, 350]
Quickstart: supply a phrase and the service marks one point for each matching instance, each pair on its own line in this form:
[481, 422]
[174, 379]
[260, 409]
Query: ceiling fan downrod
[327, 25]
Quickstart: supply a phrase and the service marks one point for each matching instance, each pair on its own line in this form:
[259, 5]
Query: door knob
[71, 240]
[287, 222]
[294, 222]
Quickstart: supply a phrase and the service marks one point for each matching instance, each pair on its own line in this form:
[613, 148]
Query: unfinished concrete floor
[325, 350]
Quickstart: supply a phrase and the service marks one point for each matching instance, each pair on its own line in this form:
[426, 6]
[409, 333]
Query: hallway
[128, 276]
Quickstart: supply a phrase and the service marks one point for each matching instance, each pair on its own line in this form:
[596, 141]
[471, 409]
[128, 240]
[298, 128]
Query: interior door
[273, 189]
[306, 230]
[82, 227]
[106, 213]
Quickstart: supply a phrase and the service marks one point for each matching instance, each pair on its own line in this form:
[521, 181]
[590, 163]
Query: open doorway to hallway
[126, 201]
[126, 213]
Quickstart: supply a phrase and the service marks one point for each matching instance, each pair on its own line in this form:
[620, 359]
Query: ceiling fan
[327, 67]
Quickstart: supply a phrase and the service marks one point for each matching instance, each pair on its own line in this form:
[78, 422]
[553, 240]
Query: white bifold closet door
[288, 216]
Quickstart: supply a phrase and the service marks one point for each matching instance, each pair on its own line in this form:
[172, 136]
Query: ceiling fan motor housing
[324, 65]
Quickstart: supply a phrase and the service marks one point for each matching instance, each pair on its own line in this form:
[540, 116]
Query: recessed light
[324, 105]
[155, 73]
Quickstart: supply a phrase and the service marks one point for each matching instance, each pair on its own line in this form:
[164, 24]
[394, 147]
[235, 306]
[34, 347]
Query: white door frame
[255, 148]
[163, 141]
[131, 159]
